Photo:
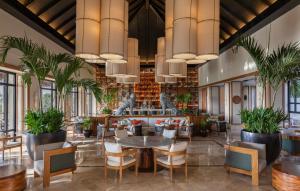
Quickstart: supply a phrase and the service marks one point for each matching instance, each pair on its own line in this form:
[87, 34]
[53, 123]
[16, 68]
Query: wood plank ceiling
[146, 19]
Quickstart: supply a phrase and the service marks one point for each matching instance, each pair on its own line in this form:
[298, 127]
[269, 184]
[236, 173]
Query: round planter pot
[87, 133]
[42, 139]
[272, 142]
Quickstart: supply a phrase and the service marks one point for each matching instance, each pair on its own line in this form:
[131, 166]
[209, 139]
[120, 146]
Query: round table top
[290, 167]
[11, 170]
[151, 141]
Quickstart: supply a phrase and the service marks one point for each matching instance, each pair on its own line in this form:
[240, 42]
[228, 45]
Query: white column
[227, 102]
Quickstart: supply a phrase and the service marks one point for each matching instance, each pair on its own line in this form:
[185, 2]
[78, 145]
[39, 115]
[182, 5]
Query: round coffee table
[12, 178]
[146, 163]
[286, 174]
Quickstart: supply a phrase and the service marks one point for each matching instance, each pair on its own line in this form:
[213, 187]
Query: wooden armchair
[8, 143]
[175, 157]
[54, 161]
[118, 159]
[246, 158]
[185, 131]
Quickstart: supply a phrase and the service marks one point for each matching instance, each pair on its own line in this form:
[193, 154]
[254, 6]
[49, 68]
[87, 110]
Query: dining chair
[10, 142]
[120, 134]
[118, 159]
[170, 134]
[175, 157]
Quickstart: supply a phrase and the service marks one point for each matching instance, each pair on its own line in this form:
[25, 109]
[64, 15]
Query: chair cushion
[38, 166]
[136, 122]
[261, 164]
[158, 122]
[165, 160]
[165, 148]
[182, 123]
[181, 146]
[113, 148]
[169, 133]
[126, 161]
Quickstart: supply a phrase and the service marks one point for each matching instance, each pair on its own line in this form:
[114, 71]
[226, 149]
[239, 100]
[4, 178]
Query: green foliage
[187, 98]
[186, 111]
[39, 122]
[180, 98]
[262, 120]
[106, 110]
[109, 96]
[280, 65]
[295, 88]
[86, 125]
[203, 124]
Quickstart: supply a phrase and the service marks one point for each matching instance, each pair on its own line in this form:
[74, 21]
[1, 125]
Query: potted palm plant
[86, 126]
[108, 98]
[274, 68]
[37, 63]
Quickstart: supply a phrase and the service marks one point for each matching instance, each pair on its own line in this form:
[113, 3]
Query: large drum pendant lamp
[158, 79]
[115, 70]
[185, 29]
[170, 80]
[128, 80]
[87, 29]
[112, 29]
[169, 5]
[162, 65]
[133, 63]
[208, 29]
[178, 69]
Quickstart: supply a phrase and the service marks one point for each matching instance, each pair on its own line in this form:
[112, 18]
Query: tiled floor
[205, 172]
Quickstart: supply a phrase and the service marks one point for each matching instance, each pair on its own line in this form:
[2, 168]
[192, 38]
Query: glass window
[48, 95]
[74, 102]
[294, 99]
[7, 102]
[89, 102]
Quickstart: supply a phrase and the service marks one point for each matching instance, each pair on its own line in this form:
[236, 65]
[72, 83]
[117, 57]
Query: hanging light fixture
[170, 80]
[195, 61]
[208, 29]
[162, 65]
[169, 5]
[128, 80]
[178, 69]
[133, 64]
[115, 70]
[185, 29]
[158, 79]
[87, 29]
[96, 61]
[112, 33]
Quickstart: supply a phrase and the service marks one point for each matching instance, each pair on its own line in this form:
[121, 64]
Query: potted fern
[274, 68]
[86, 126]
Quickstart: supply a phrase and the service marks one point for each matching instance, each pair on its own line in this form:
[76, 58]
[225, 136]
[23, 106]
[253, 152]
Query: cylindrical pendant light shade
[128, 80]
[195, 61]
[162, 65]
[185, 29]
[178, 69]
[125, 44]
[169, 5]
[112, 29]
[208, 29]
[87, 29]
[158, 79]
[95, 61]
[170, 80]
[133, 64]
[115, 70]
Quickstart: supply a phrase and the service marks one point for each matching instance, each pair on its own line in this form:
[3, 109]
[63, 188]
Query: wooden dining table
[145, 145]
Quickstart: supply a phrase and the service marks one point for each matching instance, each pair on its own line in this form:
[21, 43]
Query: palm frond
[91, 85]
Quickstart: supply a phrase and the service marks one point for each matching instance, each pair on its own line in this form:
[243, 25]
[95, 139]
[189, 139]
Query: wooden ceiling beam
[266, 2]
[73, 27]
[247, 7]
[135, 12]
[47, 7]
[229, 22]
[71, 18]
[60, 13]
[224, 7]
[157, 13]
[225, 30]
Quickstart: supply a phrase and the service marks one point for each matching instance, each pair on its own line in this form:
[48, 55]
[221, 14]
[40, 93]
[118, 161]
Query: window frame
[77, 102]
[294, 103]
[53, 90]
[6, 85]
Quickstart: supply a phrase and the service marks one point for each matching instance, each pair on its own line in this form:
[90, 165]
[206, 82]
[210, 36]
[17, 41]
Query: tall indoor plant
[38, 62]
[274, 68]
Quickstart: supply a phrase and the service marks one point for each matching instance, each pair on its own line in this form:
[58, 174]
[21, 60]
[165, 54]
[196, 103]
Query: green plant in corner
[106, 110]
[280, 65]
[262, 120]
[86, 125]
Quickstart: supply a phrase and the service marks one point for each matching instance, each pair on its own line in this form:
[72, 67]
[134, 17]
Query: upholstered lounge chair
[246, 158]
[54, 159]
